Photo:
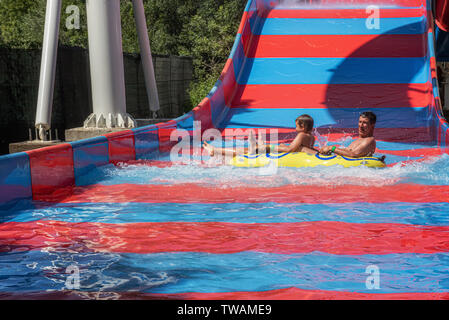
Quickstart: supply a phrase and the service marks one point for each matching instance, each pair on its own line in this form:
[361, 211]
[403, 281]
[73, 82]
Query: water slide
[182, 238]
[333, 61]
[330, 59]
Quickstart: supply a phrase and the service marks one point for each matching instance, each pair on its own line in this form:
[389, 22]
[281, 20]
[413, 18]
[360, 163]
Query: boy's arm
[295, 145]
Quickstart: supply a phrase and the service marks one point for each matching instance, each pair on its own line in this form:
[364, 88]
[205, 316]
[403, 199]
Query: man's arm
[361, 150]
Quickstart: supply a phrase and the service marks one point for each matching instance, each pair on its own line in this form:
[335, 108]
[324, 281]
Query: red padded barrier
[165, 129]
[446, 149]
[52, 170]
[242, 22]
[121, 146]
[228, 81]
[442, 14]
[203, 114]
[439, 137]
[246, 37]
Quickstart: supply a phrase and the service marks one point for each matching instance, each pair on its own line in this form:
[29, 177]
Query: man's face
[366, 129]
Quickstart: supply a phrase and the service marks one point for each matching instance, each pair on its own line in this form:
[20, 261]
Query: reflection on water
[105, 276]
[96, 237]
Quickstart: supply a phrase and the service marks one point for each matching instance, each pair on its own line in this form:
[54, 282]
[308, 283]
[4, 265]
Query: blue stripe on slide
[351, 26]
[427, 214]
[202, 272]
[325, 118]
[333, 70]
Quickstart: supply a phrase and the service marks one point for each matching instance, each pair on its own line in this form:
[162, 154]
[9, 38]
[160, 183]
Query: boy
[304, 140]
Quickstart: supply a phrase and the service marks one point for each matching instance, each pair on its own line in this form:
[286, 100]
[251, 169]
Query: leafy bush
[202, 29]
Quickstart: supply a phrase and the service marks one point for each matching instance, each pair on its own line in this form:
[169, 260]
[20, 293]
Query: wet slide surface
[147, 228]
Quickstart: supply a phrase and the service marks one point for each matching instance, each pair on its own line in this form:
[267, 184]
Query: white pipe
[146, 56]
[48, 67]
[106, 65]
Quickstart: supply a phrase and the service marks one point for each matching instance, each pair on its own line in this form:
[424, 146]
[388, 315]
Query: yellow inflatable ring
[302, 159]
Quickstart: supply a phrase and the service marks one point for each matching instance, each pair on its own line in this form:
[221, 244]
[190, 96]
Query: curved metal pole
[48, 67]
[145, 53]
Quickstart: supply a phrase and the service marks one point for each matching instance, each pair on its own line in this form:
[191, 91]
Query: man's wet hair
[370, 116]
[305, 121]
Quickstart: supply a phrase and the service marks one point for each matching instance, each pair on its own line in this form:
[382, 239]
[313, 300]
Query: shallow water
[172, 248]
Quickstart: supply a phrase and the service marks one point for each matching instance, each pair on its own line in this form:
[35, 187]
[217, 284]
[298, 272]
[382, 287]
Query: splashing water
[433, 171]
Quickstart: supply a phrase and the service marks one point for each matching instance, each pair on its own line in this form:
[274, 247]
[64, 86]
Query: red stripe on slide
[194, 193]
[279, 294]
[294, 294]
[339, 46]
[425, 152]
[284, 135]
[343, 13]
[332, 96]
[335, 134]
[400, 3]
[226, 238]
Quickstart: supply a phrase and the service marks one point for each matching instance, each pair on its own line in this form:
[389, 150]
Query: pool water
[203, 230]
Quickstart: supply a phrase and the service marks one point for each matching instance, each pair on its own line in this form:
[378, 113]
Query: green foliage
[200, 89]
[22, 24]
[73, 37]
[209, 35]
[202, 29]
[14, 29]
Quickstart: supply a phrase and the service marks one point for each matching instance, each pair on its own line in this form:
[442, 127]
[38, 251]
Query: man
[364, 146]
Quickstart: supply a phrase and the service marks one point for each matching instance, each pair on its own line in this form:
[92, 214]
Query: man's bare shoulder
[370, 139]
[367, 140]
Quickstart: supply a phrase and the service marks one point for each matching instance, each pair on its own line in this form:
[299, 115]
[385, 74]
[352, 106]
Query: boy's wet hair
[305, 121]
[370, 116]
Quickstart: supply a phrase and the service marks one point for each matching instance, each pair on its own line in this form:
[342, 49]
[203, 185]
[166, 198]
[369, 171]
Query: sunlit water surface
[45, 270]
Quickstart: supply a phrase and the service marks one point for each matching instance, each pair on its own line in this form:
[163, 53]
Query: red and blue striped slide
[135, 225]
